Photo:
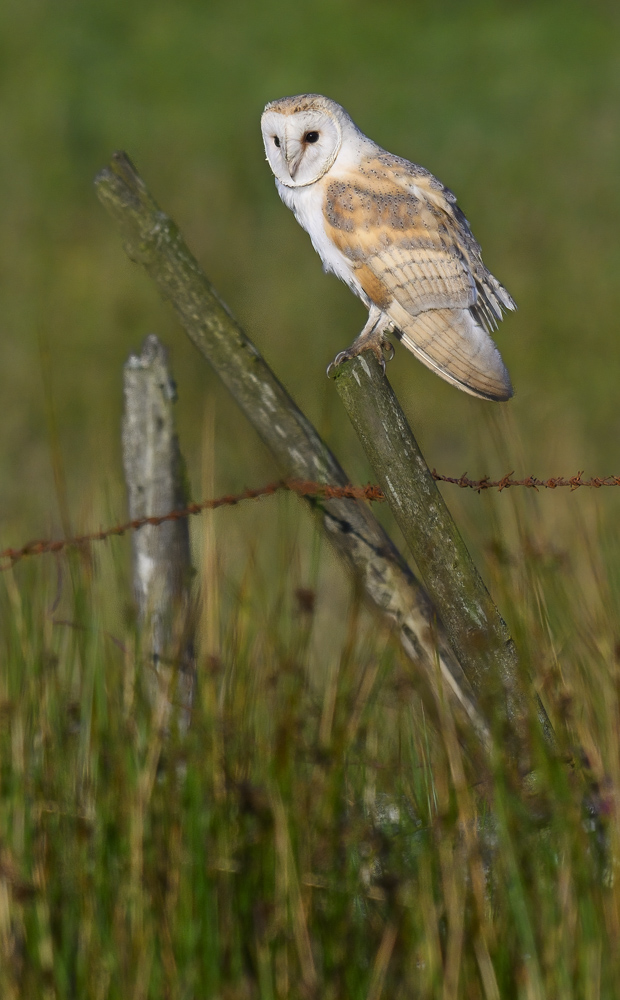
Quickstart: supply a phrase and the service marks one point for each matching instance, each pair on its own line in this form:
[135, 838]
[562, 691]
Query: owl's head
[303, 136]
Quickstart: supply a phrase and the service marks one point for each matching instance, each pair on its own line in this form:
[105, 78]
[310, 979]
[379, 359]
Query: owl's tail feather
[455, 346]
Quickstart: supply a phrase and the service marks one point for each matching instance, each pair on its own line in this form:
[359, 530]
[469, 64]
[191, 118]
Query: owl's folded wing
[402, 238]
[452, 343]
[414, 256]
[492, 300]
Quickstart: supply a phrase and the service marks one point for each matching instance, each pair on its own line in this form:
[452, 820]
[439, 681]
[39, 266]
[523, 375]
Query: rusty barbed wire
[574, 482]
[8, 557]
[303, 488]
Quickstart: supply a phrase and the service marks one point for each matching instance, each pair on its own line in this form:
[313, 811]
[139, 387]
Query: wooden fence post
[155, 481]
[475, 628]
[153, 240]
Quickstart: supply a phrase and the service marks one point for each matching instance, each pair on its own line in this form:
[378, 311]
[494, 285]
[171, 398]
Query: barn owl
[396, 236]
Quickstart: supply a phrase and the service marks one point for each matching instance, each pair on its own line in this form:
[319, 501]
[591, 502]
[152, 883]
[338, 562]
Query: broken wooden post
[155, 481]
[477, 632]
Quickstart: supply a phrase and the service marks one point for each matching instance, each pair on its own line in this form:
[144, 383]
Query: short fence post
[154, 476]
[477, 632]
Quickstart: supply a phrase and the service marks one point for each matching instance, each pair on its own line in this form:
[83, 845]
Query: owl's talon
[342, 356]
[388, 350]
[383, 351]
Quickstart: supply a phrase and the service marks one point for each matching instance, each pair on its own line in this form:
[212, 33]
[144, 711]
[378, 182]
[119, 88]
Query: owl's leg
[372, 338]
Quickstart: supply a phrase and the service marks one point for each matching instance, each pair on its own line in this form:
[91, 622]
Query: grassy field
[311, 835]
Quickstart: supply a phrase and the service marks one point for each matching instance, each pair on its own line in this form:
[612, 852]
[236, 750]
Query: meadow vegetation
[311, 834]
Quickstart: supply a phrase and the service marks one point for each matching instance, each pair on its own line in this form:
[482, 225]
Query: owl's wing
[414, 256]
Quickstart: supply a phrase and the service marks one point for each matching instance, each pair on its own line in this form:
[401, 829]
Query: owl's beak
[293, 152]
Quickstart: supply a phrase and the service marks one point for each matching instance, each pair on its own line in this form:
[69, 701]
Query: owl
[395, 235]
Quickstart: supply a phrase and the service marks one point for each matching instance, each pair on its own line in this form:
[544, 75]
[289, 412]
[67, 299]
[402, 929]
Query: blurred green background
[514, 105]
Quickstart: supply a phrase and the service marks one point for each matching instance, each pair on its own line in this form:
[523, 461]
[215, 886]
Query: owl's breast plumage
[308, 207]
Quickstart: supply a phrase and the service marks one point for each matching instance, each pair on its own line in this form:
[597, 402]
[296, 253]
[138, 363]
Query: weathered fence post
[475, 628]
[161, 554]
[153, 240]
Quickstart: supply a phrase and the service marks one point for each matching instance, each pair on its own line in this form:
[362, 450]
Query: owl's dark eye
[276, 141]
[311, 137]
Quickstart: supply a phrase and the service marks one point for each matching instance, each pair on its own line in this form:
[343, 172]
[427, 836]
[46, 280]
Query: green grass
[310, 834]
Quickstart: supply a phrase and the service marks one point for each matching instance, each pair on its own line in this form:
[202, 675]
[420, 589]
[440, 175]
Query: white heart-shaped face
[301, 146]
